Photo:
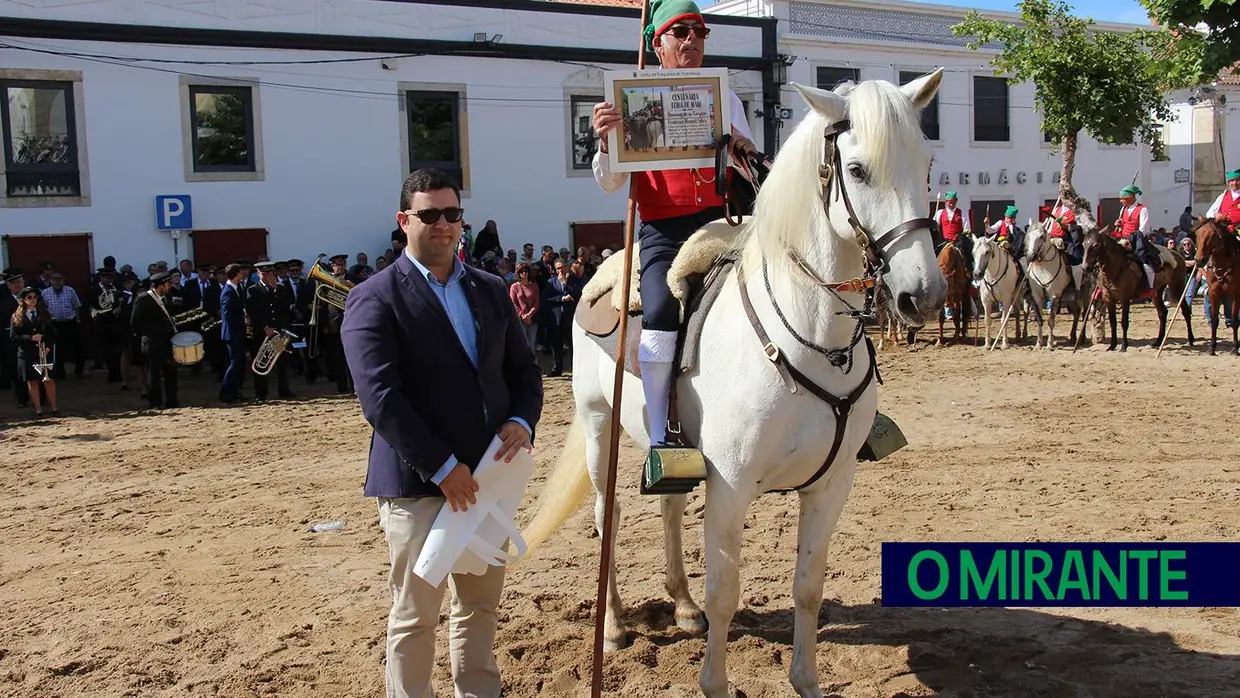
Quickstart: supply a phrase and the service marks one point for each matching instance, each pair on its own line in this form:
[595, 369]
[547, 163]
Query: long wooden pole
[617, 394]
[1176, 315]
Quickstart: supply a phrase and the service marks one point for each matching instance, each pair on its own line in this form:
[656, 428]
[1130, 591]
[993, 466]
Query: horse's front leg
[1124, 325]
[725, 521]
[1235, 326]
[1162, 318]
[1214, 313]
[688, 615]
[820, 511]
[942, 316]
[986, 315]
[1050, 324]
[1114, 333]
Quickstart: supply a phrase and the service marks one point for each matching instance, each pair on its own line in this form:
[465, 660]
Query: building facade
[287, 126]
[1201, 147]
[985, 134]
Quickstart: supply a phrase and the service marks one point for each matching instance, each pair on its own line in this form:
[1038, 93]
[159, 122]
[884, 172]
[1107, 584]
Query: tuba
[328, 288]
[270, 351]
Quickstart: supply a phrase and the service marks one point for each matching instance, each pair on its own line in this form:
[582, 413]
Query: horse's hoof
[1111, 348]
[1212, 353]
[692, 621]
[611, 644]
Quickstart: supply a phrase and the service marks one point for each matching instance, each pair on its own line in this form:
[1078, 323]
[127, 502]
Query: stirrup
[885, 438]
[672, 467]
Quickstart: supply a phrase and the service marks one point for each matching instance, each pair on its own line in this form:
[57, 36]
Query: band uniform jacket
[232, 315]
[418, 388]
[268, 307]
[107, 319]
[27, 349]
[149, 321]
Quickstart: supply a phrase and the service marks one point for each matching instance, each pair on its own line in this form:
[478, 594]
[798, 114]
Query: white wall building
[291, 123]
[985, 135]
[1202, 146]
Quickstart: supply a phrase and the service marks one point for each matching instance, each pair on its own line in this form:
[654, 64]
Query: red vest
[1003, 229]
[1231, 208]
[950, 227]
[669, 193]
[1068, 217]
[1130, 222]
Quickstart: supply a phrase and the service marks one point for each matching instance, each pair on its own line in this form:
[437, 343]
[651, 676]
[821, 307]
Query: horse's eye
[858, 172]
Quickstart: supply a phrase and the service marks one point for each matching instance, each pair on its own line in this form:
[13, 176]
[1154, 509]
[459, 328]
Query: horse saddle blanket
[695, 278]
[468, 542]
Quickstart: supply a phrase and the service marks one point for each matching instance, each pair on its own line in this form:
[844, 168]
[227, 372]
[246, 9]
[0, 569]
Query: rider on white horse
[672, 205]
[1062, 226]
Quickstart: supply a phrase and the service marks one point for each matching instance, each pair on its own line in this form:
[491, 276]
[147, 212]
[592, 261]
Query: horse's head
[1095, 245]
[1035, 237]
[984, 250]
[1210, 239]
[861, 152]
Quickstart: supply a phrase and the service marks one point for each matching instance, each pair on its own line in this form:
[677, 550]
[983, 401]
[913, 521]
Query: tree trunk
[1081, 206]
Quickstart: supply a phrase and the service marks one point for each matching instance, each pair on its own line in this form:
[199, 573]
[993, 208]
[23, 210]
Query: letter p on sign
[173, 212]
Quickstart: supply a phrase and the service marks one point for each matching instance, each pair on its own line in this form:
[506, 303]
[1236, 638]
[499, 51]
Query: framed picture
[670, 119]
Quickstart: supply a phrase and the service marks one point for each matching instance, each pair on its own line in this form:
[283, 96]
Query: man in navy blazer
[441, 366]
[232, 333]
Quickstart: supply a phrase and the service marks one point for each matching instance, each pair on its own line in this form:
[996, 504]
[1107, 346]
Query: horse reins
[1058, 269]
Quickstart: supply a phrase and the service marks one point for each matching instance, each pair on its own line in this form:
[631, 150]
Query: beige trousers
[415, 611]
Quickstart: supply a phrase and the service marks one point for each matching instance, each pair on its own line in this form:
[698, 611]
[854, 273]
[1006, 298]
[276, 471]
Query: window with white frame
[831, 77]
[223, 136]
[39, 125]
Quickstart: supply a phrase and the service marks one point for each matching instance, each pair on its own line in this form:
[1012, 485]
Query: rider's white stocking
[656, 353]
[1149, 274]
[1078, 272]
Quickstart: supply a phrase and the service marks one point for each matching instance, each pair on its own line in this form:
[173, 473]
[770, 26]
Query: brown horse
[1121, 278]
[1218, 252]
[956, 271]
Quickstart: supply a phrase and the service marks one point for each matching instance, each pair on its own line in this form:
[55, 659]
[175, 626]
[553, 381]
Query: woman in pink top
[524, 295]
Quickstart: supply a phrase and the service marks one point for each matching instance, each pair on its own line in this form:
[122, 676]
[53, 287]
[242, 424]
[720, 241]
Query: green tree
[1109, 85]
[1212, 50]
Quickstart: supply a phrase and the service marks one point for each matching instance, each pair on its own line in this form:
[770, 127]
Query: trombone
[328, 288]
[270, 351]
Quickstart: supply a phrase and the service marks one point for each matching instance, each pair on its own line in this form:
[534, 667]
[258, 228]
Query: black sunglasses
[30, 295]
[681, 31]
[430, 216]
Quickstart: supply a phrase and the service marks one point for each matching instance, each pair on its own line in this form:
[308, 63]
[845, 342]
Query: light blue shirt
[455, 303]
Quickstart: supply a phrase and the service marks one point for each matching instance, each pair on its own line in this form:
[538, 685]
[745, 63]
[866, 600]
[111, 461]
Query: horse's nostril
[906, 303]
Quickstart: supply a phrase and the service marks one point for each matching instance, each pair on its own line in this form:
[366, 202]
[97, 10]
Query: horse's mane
[1228, 242]
[788, 212]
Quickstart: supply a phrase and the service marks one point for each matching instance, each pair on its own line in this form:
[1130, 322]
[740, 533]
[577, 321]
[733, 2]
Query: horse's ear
[922, 90]
[830, 105]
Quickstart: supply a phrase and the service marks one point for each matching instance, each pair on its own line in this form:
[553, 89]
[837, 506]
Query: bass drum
[187, 348]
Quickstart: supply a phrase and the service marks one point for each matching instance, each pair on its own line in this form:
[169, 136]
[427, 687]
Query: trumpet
[270, 351]
[44, 367]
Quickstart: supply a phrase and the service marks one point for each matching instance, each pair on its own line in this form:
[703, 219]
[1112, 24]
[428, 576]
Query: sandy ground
[168, 554]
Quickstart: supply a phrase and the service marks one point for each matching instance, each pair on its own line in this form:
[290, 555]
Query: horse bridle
[829, 174]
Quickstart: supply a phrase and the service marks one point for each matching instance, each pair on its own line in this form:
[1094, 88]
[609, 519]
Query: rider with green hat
[1226, 208]
[672, 204]
[1134, 225]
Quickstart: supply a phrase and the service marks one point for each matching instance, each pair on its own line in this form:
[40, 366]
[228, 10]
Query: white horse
[756, 434]
[1049, 277]
[997, 270]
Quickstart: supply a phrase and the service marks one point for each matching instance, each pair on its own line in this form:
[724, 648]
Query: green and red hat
[665, 13]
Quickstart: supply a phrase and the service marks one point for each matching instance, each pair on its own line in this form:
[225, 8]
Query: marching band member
[11, 300]
[232, 333]
[1226, 208]
[131, 349]
[31, 329]
[153, 322]
[672, 204]
[1134, 226]
[106, 304]
[268, 308]
[331, 318]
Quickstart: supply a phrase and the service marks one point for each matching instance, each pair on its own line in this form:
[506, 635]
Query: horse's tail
[564, 490]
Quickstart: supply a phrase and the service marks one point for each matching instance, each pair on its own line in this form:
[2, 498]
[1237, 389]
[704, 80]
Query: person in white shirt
[1134, 226]
[1226, 208]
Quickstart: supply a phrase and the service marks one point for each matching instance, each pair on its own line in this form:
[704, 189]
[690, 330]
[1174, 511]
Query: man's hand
[459, 488]
[742, 146]
[269, 331]
[514, 436]
[606, 117]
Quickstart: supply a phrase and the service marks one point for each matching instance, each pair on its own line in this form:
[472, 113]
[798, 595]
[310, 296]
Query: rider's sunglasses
[430, 216]
[681, 31]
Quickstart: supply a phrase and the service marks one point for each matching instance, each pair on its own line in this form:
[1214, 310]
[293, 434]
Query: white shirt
[1143, 220]
[611, 181]
[1218, 203]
